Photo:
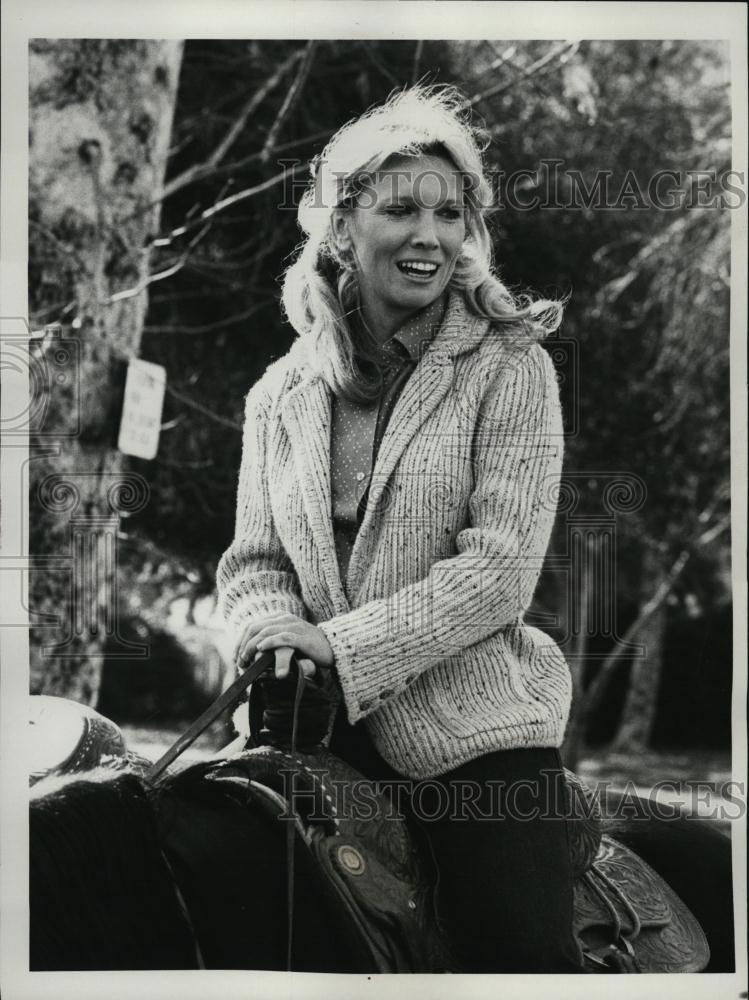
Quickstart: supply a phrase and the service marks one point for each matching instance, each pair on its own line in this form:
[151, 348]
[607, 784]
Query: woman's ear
[340, 226]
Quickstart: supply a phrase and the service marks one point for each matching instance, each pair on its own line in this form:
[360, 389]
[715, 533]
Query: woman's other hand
[285, 630]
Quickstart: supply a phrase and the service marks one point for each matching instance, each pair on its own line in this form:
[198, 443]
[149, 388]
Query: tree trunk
[100, 125]
[636, 724]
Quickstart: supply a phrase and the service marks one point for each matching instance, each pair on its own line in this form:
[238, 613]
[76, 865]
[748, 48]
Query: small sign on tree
[145, 385]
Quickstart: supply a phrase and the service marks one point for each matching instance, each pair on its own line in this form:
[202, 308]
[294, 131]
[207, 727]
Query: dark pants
[500, 846]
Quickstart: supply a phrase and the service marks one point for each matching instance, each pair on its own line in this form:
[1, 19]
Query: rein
[228, 699]
[225, 701]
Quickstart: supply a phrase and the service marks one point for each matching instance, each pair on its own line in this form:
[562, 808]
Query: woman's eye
[397, 210]
[452, 213]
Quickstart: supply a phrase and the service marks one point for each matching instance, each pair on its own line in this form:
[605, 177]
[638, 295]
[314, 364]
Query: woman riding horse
[395, 502]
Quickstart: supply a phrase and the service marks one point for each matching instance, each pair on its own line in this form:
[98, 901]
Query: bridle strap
[290, 838]
[227, 700]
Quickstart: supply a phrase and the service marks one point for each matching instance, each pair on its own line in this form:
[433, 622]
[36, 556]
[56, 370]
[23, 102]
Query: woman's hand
[285, 630]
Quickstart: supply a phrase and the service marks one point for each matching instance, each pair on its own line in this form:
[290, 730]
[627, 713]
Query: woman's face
[406, 232]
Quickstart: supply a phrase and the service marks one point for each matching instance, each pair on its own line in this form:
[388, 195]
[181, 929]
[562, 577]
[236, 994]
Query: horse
[125, 878]
[191, 872]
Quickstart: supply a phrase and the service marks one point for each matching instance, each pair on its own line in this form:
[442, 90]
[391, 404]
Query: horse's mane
[94, 851]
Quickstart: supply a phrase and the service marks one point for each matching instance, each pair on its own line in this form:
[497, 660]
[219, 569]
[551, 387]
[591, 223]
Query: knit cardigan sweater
[430, 645]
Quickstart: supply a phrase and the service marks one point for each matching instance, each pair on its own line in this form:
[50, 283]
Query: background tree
[101, 115]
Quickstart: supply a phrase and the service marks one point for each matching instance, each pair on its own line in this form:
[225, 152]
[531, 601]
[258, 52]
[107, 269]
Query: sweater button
[386, 693]
[364, 705]
[359, 476]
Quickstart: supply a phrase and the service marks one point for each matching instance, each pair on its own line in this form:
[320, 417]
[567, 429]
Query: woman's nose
[425, 234]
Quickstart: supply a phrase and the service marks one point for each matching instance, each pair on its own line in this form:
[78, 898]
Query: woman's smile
[418, 270]
[405, 233]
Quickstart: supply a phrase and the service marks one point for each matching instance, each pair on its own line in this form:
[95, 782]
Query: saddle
[71, 738]
[626, 918]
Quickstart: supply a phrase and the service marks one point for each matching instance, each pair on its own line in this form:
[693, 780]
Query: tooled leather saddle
[626, 917]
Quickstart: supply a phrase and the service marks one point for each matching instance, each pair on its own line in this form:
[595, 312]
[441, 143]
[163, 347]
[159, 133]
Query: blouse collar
[420, 329]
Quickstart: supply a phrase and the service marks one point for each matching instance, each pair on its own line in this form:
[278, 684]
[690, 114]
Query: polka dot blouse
[357, 430]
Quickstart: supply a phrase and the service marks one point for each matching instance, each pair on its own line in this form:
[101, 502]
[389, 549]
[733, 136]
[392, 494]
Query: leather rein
[228, 700]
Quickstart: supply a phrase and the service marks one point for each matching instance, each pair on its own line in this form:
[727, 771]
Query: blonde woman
[395, 502]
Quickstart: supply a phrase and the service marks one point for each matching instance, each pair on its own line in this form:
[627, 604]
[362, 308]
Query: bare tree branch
[235, 165]
[292, 96]
[165, 241]
[417, 60]
[717, 529]
[594, 693]
[201, 408]
[61, 308]
[500, 60]
[150, 279]
[191, 331]
[129, 293]
[560, 52]
[379, 65]
[200, 170]
[252, 191]
[171, 464]
[268, 245]
[613, 289]
[208, 214]
[182, 294]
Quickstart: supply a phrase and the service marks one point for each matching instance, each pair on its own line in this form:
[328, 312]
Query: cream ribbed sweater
[431, 648]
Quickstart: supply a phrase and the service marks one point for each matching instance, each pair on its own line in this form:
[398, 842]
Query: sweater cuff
[357, 705]
[343, 671]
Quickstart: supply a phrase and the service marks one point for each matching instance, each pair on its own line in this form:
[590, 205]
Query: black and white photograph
[373, 499]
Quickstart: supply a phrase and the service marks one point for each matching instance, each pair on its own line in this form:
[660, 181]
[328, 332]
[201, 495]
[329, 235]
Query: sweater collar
[461, 331]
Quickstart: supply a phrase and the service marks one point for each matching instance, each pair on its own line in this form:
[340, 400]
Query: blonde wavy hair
[320, 289]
